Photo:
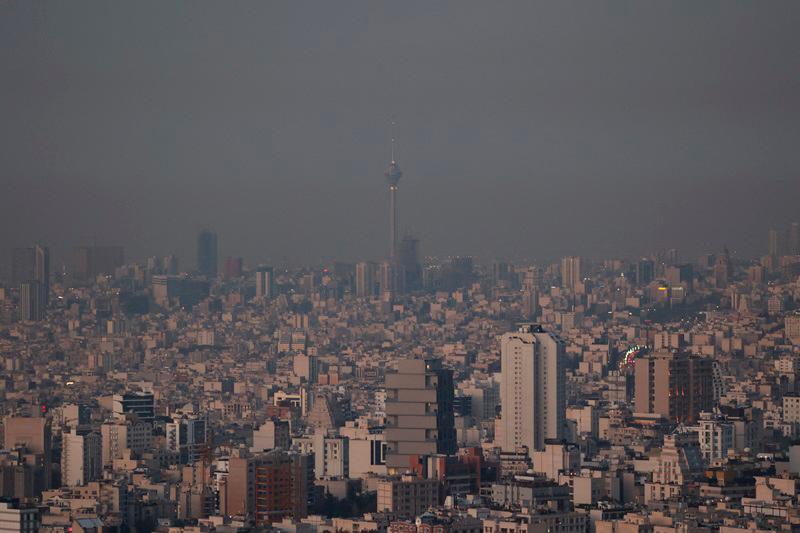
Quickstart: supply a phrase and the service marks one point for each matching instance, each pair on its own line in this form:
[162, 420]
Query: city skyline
[399, 267]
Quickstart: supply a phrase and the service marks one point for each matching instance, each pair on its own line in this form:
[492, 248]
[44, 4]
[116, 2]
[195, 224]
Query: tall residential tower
[533, 388]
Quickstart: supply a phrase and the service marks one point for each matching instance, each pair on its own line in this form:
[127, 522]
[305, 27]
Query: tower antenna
[394, 139]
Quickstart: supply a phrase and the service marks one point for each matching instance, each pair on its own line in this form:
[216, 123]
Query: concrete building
[17, 519]
[365, 279]
[675, 386]
[268, 487]
[81, 458]
[571, 272]
[367, 455]
[792, 326]
[186, 435]
[124, 433]
[33, 435]
[532, 388]
[272, 434]
[331, 456]
[141, 404]
[31, 301]
[306, 367]
[273, 497]
[265, 282]
[407, 495]
[716, 437]
[419, 412]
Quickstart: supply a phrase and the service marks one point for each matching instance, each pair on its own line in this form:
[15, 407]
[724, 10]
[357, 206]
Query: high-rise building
[794, 238]
[89, 262]
[268, 486]
[723, 269]
[41, 271]
[675, 386]
[408, 261]
[532, 388]
[81, 263]
[81, 459]
[207, 253]
[265, 282]
[233, 267]
[141, 404]
[32, 264]
[31, 301]
[365, 279]
[273, 492]
[530, 292]
[532, 278]
[645, 271]
[419, 412]
[774, 244]
[501, 273]
[386, 279]
[570, 272]
[530, 303]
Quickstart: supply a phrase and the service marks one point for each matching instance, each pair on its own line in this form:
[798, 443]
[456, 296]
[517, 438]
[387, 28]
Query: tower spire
[393, 175]
[394, 123]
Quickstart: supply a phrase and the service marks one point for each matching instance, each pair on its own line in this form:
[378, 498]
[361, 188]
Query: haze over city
[399, 267]
[524, 131]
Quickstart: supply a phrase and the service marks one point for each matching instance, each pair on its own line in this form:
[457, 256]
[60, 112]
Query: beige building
[272, 434]
[81, 460]
[791, 409]
[14, 519]
[792, 326]
[556, 459]
[33, 435]
[571, 272]
[533, 389]
[419, 412]
[571, 522]
[124, 433]
[675, 386]
[407, 496]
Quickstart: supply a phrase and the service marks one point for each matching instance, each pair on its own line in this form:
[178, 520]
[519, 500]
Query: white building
[80, 458]
[331, 454]
[533, 390]
[716, 437]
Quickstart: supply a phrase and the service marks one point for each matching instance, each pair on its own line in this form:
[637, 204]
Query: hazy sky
[526, 129]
